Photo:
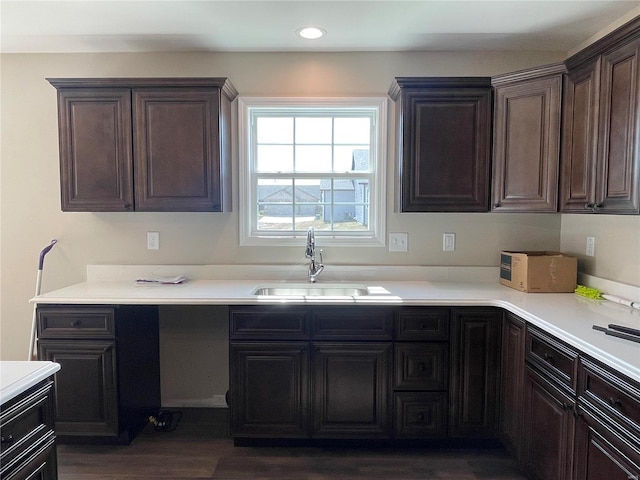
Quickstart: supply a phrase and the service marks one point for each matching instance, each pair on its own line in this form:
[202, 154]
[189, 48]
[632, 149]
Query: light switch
[398, 242]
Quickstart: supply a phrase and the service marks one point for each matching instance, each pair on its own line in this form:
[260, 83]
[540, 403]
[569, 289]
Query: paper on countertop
[163, 280]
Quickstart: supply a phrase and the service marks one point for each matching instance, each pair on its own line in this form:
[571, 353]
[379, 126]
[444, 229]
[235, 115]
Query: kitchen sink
[312, 290]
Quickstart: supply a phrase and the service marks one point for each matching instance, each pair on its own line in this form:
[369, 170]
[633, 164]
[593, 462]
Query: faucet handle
[320, 256]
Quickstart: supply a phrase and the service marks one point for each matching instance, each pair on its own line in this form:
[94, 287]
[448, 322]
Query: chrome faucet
[315, 268]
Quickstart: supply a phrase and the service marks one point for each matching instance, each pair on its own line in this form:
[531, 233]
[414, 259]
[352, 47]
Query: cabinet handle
[597, 206]
[589, 206]
[421, 417]
[128, 206]
[497, 205]
[76, 323]
[421, 325]
[7, 441]
[615, 402]
[421, 367]
[548, 357]
[566, 406]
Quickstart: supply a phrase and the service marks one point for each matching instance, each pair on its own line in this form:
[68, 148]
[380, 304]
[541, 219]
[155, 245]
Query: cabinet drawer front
[38, 462]
[76, 322]
[365, 323]
[420, 415]
[421, 366]
[268, 323]
[25, 422]
[423, 324]
[612, 396]
[551, 356]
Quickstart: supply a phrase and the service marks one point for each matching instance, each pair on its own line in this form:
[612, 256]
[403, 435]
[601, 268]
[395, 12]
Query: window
[312, 162]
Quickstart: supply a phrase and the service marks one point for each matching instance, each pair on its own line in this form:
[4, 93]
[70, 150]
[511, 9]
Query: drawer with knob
[610, 396]
[421, 415]
[421, 366]
[423, 324]
[552, 357]
[64, 323]
[26, 425]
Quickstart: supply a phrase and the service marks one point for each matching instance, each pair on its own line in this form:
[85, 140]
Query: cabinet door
[269, 389]
[580, 138]
[599, 457]
[177, 149]
[475, 357]
[86, 396]
[527, 145]
[548, 430]
[96, 166]
[445, 150]
[511, 409]
[618, 169]
[351, 389]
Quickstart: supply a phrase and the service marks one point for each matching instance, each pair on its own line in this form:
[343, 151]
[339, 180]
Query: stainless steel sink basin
[312, 290]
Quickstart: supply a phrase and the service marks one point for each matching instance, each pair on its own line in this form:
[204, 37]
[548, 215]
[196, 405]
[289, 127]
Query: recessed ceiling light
[310, 33]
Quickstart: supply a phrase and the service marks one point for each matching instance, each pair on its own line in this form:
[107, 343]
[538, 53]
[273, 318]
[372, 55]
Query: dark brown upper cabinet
[444, 143]
[526, 139]
[145, 144]
[601, 129]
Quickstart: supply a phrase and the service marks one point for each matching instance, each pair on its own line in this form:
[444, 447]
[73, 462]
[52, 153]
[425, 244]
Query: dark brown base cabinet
[363, 372]
[512, 388]
[608, 425]
[28, 449]
[548, 429]
[109, 382]
[563, 415]
[602, 455]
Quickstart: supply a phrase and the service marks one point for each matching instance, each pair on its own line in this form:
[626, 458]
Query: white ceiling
[267, 25]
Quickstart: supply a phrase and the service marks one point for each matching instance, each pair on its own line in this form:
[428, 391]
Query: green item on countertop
[588, 292]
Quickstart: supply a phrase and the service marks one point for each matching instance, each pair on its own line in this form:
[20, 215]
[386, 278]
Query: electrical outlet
[398, 242]
[153, 240]
[591, 246]
[448, 242]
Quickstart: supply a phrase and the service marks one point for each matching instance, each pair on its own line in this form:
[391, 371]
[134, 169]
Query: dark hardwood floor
[203, 450]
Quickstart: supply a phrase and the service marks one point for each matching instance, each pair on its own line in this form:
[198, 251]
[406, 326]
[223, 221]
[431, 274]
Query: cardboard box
[538, 272]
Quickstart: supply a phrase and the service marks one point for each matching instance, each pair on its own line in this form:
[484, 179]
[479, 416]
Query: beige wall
[30, 205]
[617, 245]
[30, 193]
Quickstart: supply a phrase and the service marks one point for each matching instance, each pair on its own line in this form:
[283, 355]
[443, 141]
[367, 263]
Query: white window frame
[250, 236]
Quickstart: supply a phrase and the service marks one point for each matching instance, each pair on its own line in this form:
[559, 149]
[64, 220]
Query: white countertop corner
[17, 377]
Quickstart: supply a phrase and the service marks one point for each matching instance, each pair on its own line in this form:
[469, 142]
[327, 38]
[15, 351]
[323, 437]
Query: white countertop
[17, 377]
[565, 315]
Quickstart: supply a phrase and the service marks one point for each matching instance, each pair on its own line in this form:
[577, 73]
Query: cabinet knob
[6, 441]
[566, 406]
[421, 367]
[497, 205]
[76, 323]
[588, 206]
[421, 417]
[548, 357]
[128, 206]
[597, 206]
